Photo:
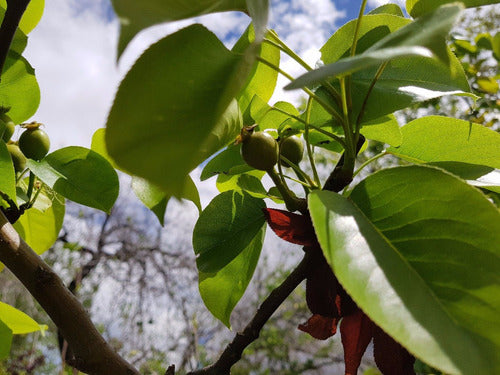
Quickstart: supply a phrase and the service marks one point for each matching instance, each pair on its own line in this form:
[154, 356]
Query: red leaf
[356, 331]
[391, 358]
[320, 327]
[291, 227]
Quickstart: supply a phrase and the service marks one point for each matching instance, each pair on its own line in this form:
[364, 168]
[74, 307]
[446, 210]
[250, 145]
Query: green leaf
[232, 181]
[40, 229]
[137, 15]
[385, 129]
[223, 162]
[259, 11]
[5, 340]
[79, 174]
[31, 16]
[19, 88]
[7, 174]
[99, 145]
[475, 175]
[262, 79]
[390, 8]
[225, 228]
[274, 118]
[152, 196]
[404, 81]
[418, 252]
[17, 321]
[174, 108]
[221, 291]
[417, 8]
[488, 85]
[437, 139]
[424, 37]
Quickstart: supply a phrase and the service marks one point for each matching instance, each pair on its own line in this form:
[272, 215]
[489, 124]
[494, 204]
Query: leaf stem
[308, 144]
[349, 150]
[31, 184]
[291, 201]
[371, 160]
[299, 171]
[365, 100]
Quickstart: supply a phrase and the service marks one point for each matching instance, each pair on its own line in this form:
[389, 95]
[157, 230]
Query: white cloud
[377, 3]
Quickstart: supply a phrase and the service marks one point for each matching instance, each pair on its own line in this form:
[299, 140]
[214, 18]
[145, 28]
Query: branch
[233, 351]
[13, 13]
[92, 354]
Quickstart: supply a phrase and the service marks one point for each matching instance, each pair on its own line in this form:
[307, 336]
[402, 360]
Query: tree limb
[13, 13]
[234, 350]
[92, 354]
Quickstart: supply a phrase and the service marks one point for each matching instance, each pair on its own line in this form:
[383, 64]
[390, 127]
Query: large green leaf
[225, 228]
[5, 340]
[137, 15]
[390, 8]
[79, 174]
[31, 16]
[262, 79]
[7, 174]
[17, 321]
[445, 139]
[98, 145]
[221, 291]
[404, 81]
[418, 252]
[174, 108]
[225, 162]
[416, 8]
[40, 229]
[19, 88]
[385, 129]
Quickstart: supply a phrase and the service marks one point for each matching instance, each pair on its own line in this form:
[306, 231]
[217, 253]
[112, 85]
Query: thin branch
[234, 350]
[92, 354]
[13, 13]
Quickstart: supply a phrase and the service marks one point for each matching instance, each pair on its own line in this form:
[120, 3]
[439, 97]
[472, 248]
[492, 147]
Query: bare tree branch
[234, 350]
[14, 12]
[92, 354]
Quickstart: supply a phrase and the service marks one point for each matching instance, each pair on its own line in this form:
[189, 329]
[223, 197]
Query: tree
[407, 257]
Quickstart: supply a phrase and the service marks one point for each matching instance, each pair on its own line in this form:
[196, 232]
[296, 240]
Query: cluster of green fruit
[261, 151]
[33, 143]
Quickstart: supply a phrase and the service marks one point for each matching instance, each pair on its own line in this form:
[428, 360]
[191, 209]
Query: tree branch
[234, 350]
[92, 354]
[13, 13]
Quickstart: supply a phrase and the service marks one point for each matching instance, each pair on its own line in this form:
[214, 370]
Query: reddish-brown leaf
[356, 331]
[391, 358]
[320, 327]
[291, 227]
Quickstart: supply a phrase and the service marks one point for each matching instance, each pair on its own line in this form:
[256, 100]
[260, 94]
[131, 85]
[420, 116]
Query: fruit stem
[291, 201]
[320, 101]
[350, 154]
[308, 145]
[300, 172]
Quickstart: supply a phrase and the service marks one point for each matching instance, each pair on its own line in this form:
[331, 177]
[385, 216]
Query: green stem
[331, 135]
[371, 160]
[353, 48]
[283, 47]
[350, 153]
[365, 100]
[291, 201]
[31, 183]
[308, 145]
[32, 201]
[299, 171]
[304, 184]
[320, 101]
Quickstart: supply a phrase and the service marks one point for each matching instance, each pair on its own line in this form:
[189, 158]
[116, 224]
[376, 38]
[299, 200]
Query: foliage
[408, 256]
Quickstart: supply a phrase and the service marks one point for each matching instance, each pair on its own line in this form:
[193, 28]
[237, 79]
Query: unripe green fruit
[9, 127]
[260, 151]
[34, 143]
[292, 148]
[18, 158]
